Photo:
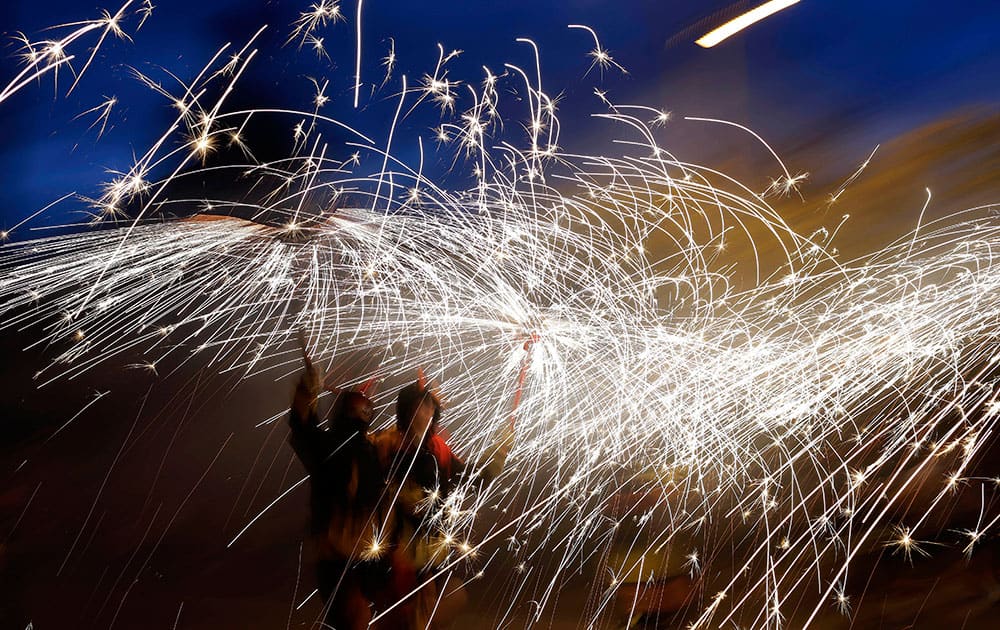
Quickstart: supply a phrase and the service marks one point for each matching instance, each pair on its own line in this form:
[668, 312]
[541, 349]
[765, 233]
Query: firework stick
[525, 364]
[318, 384]
[310, 379]
[304, 349]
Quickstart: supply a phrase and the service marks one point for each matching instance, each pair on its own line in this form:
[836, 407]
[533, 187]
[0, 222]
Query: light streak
[96, 398]
[737, 24]
[177, 619]
[798, 409]
[266, 508]
[357, 56]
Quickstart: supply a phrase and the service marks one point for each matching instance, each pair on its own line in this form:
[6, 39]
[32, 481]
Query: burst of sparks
[905, 544]
[45, 56]
[602, 58]
[654, 374]
[309, 22]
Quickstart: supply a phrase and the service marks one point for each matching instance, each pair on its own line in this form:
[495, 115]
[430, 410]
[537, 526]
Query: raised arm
[493, 463]
[306, 438]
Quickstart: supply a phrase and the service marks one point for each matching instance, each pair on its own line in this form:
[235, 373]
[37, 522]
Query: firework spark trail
[46, 56]
[803, 405]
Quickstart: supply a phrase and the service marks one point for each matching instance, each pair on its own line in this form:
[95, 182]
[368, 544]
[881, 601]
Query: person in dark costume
[422, 470]
[346, 484]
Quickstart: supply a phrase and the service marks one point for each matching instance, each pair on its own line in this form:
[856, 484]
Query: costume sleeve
[493, 463]
[306, 438]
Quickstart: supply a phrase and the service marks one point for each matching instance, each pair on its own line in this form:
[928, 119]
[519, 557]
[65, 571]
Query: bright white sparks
[777, 423]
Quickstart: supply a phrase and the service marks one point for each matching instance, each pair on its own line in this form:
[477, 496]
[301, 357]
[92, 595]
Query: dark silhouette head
[416, 405]
[352, 411]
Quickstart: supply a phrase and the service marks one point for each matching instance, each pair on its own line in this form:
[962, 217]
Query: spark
[953, 481]
[602, 58]
[316, 43]
[693, 563]
[905, 544]
[843, 603]
[662, 118]
[104, 111]
[389, 61]
[146, 366]
[43, 57]
[973, 536]
[786, 185]
[321, 99]
[320, 14]
[202, 145]
[375, 549]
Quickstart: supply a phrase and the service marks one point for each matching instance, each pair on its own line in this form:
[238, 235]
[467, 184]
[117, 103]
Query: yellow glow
[741, 22]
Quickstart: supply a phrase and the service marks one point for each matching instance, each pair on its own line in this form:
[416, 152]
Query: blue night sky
[846, 72]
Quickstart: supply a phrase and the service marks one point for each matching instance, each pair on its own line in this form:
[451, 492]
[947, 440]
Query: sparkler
[782, 423]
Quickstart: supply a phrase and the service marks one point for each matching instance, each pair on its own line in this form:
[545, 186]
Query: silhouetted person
[345, 487]
[423, 470]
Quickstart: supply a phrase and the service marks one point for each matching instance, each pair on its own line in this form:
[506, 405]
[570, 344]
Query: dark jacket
[345, 480]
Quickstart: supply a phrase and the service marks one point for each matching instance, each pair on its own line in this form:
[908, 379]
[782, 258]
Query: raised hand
[308, 387]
